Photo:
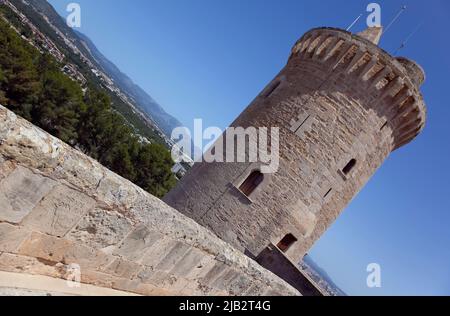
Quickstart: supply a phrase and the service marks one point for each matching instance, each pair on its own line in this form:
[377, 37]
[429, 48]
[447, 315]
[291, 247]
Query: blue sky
[208, 59]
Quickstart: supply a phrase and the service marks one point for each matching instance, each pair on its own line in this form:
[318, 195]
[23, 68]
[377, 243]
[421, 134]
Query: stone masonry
[342, 105]
[58, 207]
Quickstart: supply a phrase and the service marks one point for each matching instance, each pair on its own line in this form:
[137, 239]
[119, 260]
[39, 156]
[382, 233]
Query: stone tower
[342, 105]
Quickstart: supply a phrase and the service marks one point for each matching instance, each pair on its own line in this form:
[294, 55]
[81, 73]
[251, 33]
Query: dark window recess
[287, 242]
[349, 167]
[328, 193]
[384, 126]
[251, 183]
[272, 89]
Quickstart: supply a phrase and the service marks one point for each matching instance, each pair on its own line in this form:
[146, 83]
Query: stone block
[6, 168]
[167, 281]
[174, 256]
[239, 285]
[11, 237]
[79, 170]
[87, 258]
[216, 272]
[59, 211]
[158, 251]
[101, 229]
[28, 265]
[192, 260]
[45, 247]
[255, 289]
[136, 286]
[58, 250]
[20, 192]
[225, 279]
[123, 268]
[137, 242]
[202, 268]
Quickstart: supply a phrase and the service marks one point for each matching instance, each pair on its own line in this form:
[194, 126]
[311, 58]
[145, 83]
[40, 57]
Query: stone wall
[58, 207]
[275, 260]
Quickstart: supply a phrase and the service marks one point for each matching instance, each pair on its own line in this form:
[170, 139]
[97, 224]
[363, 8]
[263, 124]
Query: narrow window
[272, 89]
[349, 167]
[287, 242]
[251, 183]
[328, 193]
[384, 126]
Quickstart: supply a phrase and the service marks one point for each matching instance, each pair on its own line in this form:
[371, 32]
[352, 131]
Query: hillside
[166, 122]
[131, 101]
[38, 86]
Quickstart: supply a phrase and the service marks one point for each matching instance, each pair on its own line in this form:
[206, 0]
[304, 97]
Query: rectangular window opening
[287, 242]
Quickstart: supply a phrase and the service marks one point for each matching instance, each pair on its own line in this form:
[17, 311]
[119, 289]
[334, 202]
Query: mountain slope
[141, 98]
[323, 275]
[144, 101]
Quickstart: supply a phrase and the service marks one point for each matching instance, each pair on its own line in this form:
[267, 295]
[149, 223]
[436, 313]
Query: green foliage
[153, 169]
[3, 82]
[33, 86]
[132, 118]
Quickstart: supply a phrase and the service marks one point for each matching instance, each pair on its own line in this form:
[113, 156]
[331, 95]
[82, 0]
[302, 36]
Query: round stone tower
[342, 105]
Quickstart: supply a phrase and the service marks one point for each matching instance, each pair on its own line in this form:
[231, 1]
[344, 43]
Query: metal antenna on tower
[354, 22]
[403, 44]
[402, 9]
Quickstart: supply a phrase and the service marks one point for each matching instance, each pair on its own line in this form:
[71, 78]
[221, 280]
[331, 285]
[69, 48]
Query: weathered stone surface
[190, 263]
[59, 211]
[136, 286]
[137, 242]
[10, 291]
[256, 289]
[239, 285]
[20, 192]
[6, 167]
[101, 229]
[30, 265]
[58, 250]
[11, 237]
[158, 251]
[114, 190]
[218, 270]
[123, 268]
[45, 247]
[175, 255]
[224, 281]
[201, 269]
[79, 170]
[166, 281]
[27, 144]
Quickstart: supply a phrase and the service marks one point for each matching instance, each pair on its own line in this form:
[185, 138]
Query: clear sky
[209, 58]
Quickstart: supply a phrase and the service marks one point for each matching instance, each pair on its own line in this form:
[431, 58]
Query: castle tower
[342, 105]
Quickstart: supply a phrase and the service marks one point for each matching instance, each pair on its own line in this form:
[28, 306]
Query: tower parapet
[394, 82]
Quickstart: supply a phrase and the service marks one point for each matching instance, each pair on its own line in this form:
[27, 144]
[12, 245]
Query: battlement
[59, 208]
[392, 82]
